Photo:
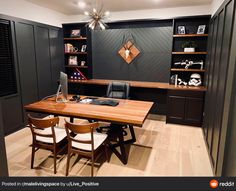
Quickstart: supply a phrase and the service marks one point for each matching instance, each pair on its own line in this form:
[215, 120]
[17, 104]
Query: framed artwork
[83, 48]
[73, 60]
[201, 29]
[75, 33]
[181, 29]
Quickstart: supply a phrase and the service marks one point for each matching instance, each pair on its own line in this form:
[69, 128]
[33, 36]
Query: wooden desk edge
[154, 85]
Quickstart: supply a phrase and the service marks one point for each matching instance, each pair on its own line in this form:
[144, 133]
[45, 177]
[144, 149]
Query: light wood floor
[161, 150]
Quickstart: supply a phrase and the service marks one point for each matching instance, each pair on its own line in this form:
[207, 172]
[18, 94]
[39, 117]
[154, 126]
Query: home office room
[116, 89]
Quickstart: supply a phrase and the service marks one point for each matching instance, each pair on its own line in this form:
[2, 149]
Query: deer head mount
[128, 51]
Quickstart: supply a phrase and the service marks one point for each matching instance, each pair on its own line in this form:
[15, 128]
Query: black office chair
[118, 90]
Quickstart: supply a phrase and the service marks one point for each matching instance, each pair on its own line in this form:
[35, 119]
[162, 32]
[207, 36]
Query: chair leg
[32, 157]
[106, 152]
[68, 163]
[55, 162]
[92, 165]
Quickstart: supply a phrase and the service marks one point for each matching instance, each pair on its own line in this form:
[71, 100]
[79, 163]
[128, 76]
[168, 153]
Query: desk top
[127, 112]
[155, 85]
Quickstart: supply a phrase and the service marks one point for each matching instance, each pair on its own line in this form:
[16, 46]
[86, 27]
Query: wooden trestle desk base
[128, 112]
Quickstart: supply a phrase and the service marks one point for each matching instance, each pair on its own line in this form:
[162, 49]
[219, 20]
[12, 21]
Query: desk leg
[118, 131]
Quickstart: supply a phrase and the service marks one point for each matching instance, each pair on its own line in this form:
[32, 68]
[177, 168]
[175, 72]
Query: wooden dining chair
[47, 135]
[84, 140]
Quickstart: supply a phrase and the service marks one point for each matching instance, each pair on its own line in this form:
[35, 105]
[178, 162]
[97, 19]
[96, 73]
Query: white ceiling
[70, 7]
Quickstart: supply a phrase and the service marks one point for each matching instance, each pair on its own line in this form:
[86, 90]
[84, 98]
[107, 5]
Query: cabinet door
[193, 111]
[175, 112]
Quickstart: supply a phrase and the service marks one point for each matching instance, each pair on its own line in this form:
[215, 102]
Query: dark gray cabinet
[185, 107]
[219, 80]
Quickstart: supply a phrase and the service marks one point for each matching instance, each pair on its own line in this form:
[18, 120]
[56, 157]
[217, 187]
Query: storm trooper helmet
[195, 80]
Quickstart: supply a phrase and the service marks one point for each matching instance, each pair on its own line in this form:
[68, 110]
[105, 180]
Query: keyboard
[109, 102]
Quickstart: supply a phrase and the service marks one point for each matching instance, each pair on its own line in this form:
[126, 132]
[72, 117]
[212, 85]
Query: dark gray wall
[153, 63]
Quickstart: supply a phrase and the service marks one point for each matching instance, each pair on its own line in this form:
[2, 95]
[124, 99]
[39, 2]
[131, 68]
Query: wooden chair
[46, 135]
[83, 140]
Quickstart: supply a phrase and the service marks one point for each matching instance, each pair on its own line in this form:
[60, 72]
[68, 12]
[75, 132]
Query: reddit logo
[214, 183]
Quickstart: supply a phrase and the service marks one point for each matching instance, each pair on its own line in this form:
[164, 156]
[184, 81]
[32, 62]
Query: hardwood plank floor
[160, 150]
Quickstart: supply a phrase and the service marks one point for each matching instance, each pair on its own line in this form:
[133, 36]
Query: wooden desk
[128, 112]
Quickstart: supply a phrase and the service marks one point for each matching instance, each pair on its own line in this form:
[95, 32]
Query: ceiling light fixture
[97, 19]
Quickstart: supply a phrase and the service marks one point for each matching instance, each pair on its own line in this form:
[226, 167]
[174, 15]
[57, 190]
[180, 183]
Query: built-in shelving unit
[186, 31]
[77, 64]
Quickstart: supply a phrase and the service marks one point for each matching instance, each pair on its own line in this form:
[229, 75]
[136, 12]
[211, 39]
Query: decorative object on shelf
[75, 33]
[78, 75]
[172, 79]
[195, 80]
[188, 63]
[201, 29]
[189, 46]
[181, 29]
[83, 48]
[82, 63]
[181, 82]
[73, 60]
[128, 51]
[70, 48]
[97, 19]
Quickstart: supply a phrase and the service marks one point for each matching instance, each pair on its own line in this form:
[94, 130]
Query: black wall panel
[42, 46]
[27, 62]
[210, 82]
[12, 115]
[43, 61]
[218, 82]
[57, 58]
[3, 156]
[153, 63]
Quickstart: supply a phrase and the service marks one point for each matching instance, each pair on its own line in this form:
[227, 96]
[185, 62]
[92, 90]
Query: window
[7, 69]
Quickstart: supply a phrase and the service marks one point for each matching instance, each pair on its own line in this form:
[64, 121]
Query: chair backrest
[80, 129]
[118, 90]
[38, 124]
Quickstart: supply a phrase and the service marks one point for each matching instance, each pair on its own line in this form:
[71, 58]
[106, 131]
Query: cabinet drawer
[186, 93]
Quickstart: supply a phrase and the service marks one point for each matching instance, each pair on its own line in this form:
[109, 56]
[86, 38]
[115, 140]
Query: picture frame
[201, 29]
[75, 33]
[181, 30]
[83, 48]
[73, 61]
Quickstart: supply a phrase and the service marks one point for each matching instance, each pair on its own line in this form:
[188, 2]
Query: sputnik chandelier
[97, 19]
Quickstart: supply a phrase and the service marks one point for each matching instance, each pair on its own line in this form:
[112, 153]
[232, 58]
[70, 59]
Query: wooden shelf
[79, 38]
[75, 53]
[189, 52]
[186, 70]
[74, 66]
[141, 84]
[190, 35]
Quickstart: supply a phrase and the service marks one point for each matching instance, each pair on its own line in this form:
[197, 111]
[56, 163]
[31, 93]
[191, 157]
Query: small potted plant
[189, 46]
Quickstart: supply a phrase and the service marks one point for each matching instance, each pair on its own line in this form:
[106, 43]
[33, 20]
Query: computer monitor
[62, 88]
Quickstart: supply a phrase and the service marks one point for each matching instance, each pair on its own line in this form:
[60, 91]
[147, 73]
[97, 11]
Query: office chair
[46, 135]
[118, 90]
[82, 140]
